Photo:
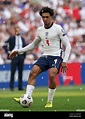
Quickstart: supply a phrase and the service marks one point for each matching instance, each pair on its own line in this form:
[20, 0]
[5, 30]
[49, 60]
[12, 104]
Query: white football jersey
[52, 39]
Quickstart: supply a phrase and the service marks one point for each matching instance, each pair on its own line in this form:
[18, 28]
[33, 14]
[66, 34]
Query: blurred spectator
[16, 42]
[29, 59]
[3, 56]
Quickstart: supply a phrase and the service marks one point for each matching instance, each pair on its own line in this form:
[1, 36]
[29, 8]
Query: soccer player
[53, 37]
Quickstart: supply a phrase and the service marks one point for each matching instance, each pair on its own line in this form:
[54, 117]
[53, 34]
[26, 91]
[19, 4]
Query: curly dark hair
[47, 10]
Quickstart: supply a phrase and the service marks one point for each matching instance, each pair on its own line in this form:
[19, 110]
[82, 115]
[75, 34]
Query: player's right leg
[17, 100]
[36, 70]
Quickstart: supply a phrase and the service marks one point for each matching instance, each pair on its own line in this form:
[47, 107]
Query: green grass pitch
[67, 98]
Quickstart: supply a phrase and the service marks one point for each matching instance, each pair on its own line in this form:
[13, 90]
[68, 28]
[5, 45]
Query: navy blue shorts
[46, 62]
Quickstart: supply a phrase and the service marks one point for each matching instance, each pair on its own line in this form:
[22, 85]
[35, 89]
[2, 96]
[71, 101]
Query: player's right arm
[29, 47]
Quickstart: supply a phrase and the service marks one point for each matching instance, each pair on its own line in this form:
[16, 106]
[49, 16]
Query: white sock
[29, 89]
[51, 93]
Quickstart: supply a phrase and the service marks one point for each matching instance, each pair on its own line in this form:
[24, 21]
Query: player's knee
[52, 74]
[33, 74]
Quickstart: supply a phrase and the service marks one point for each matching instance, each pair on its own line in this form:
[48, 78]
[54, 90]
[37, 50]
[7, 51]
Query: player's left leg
[52, 86]
[54, 64]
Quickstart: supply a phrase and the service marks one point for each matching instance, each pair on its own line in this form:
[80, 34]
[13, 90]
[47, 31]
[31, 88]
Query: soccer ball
[26, 100]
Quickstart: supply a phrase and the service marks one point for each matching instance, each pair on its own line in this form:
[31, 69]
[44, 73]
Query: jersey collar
[49, 26]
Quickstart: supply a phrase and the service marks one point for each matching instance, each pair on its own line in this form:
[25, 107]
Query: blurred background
[70, 14]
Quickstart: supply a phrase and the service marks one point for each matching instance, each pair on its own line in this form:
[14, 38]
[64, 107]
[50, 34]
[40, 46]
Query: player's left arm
[66, 43]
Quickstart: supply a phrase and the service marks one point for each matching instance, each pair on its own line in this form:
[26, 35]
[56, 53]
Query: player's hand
[64, 67]
[13, 54]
